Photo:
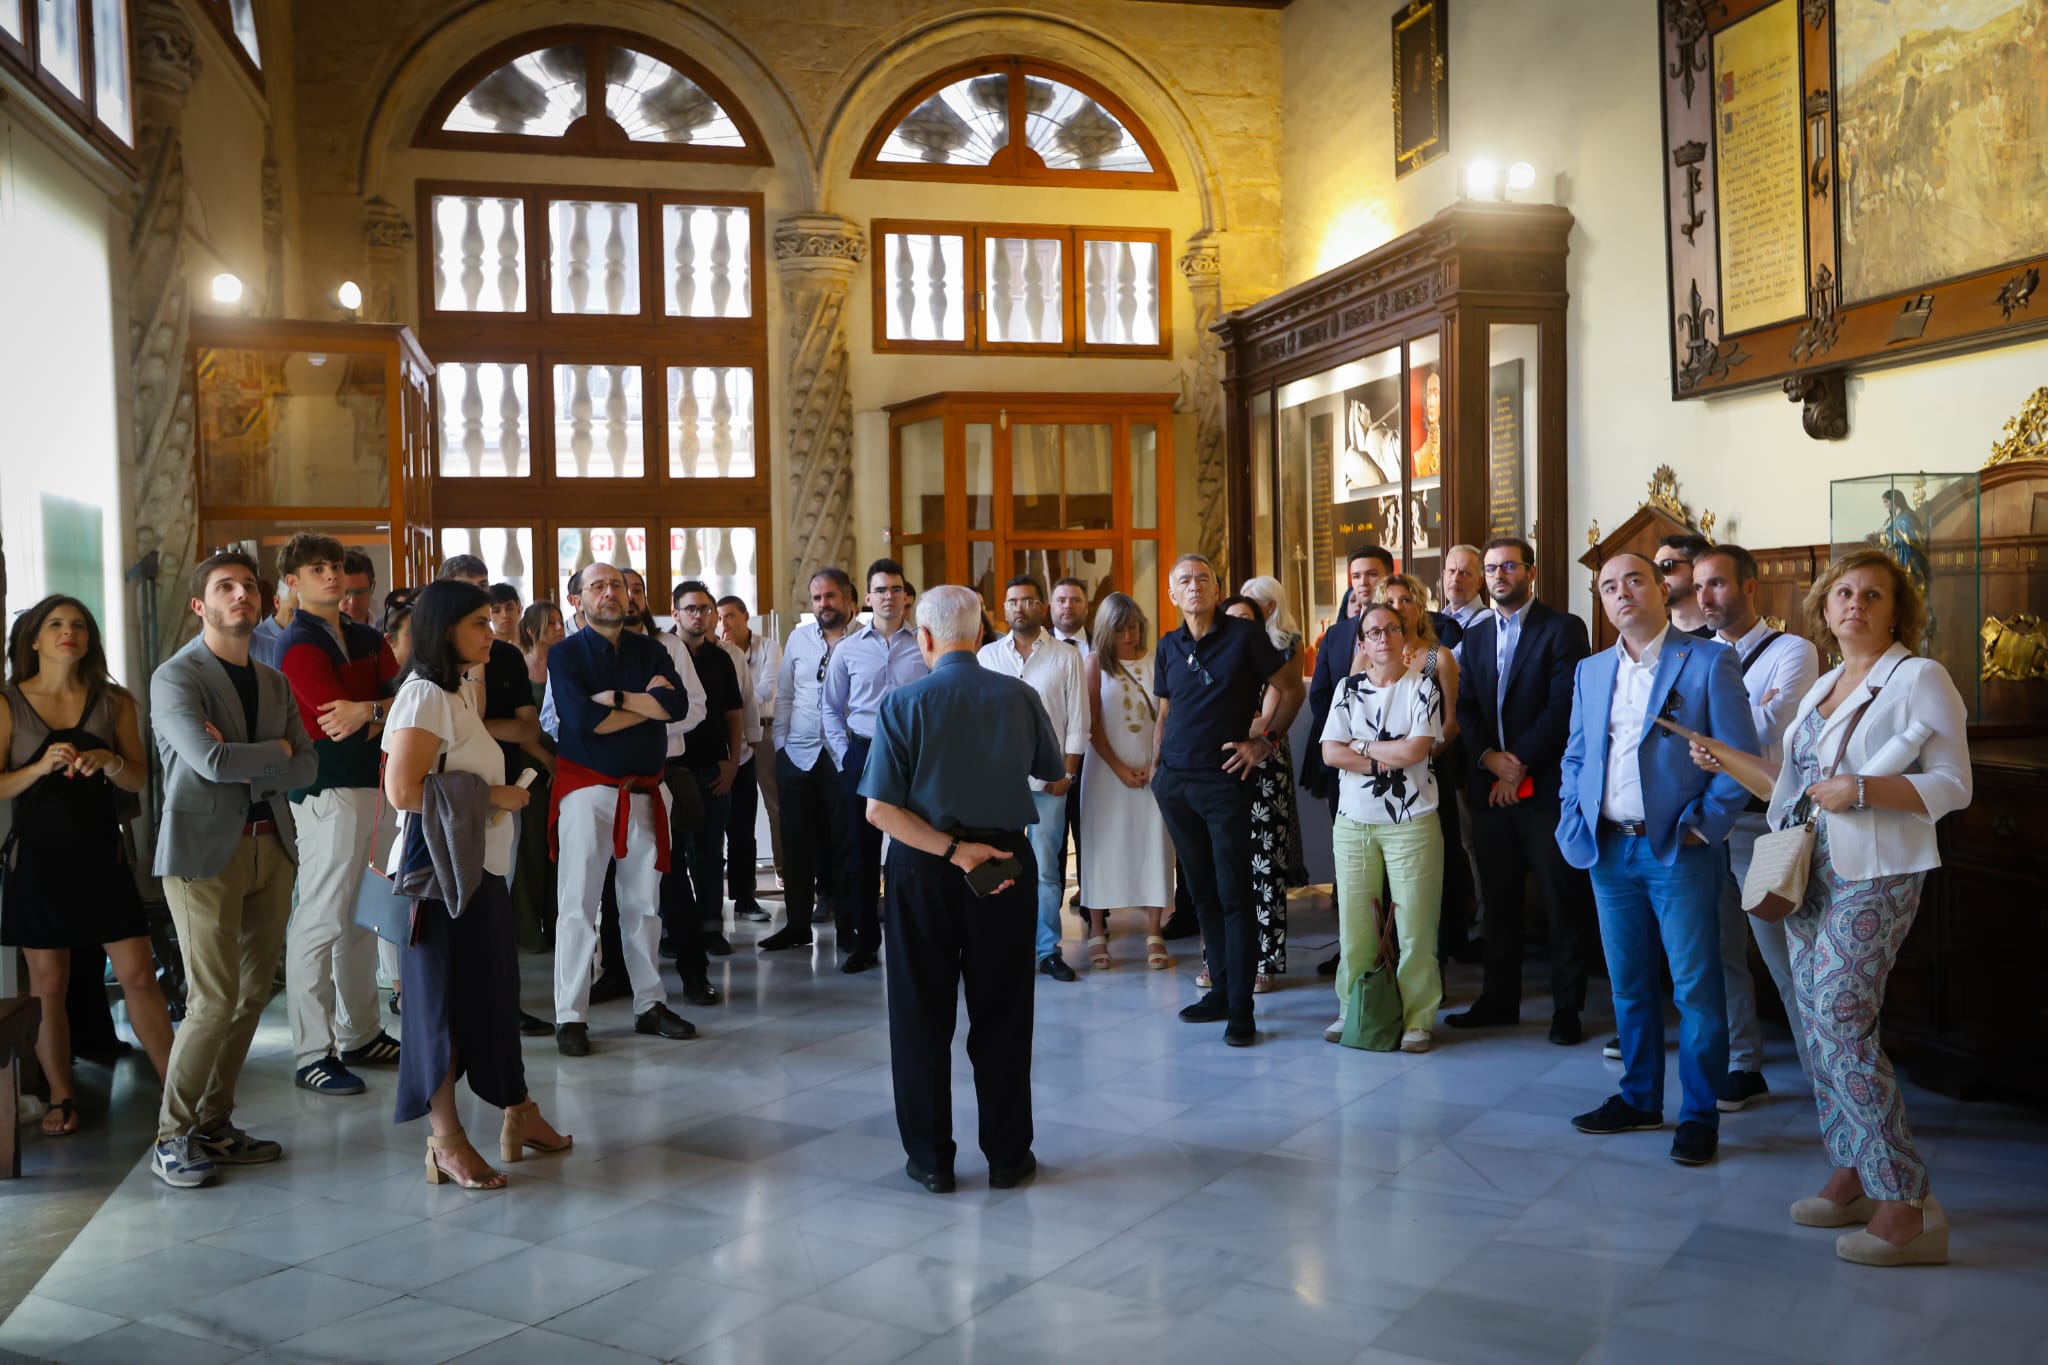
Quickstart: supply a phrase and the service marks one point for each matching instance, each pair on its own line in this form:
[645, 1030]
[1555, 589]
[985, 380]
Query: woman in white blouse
[461, 971]
[1879, 746]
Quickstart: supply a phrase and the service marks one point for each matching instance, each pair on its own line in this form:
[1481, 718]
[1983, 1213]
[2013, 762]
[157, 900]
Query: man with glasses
[755, 786]
[1053, 669]
[359, 589]
[1209, 675]
[1515, 708]
[813, 814]
[693, 893]
[1674, 561]
[868, 665]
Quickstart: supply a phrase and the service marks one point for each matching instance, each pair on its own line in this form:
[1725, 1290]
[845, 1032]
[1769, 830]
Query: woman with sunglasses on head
[71, 738]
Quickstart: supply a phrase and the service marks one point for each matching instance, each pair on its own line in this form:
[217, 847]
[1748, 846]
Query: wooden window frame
[78, 112]
[1015, 163]
[224, 19]
[1072, 321]
[594, 133]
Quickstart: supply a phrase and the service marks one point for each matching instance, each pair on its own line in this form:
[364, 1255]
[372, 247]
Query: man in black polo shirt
[694, 912]
[1208, 675]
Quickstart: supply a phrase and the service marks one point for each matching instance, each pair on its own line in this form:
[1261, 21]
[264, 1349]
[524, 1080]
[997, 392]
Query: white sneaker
[1335, 1032]
[1416, 1040]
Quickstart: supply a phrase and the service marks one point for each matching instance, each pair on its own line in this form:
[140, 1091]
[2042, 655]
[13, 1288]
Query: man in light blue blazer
[1647, 824]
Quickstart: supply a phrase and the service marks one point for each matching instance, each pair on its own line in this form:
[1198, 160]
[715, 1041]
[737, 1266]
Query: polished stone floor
[740, 1198]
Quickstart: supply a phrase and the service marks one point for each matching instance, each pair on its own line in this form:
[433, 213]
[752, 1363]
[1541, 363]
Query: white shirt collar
[1651, 652]
[1755, 633]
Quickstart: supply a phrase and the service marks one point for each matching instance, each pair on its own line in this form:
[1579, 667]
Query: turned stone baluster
[721, 423]
[472, 252]
[579, 256]
[1034, 290]
[725, 564]
[1000, 285]
[935, 274]
[686, 259]
[743, 262]
[579, 418]
[473, 418]
[509, 265]
[615, 261]
[906, 287]
[743, 422]
[622, 555]
[688, 443]
[693, 556]
[721, 261]
[511, 405]
[1126, 293]
[615, 418]
[512, 566]
[1095, 297]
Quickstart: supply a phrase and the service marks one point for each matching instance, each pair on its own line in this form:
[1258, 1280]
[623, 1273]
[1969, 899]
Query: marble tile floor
[740, 1198]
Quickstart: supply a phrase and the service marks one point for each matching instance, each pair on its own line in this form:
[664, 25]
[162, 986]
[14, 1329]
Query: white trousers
[583, 835]
[330, 966]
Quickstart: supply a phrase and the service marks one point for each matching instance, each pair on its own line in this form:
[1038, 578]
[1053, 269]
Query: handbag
[380, 907]
[1775, 884]
[1373, 1018]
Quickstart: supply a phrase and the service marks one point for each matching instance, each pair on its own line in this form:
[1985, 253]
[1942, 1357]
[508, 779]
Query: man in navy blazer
[1514, 710]
[1648, 825]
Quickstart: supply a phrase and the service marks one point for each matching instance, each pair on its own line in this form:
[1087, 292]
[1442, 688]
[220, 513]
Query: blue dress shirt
[866, 666]
[800, 694]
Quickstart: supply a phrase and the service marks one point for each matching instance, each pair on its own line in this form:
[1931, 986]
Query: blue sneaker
[329, 1077]
[182, 1164]
[228, 1145]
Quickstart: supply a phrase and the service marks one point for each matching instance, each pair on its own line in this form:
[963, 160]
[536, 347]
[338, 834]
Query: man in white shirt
[1070, 627]
[1778, 670]
[1054, 670]
[755, 785]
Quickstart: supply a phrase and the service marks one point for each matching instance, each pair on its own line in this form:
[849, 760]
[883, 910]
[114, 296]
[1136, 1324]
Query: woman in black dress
[70, 737]
[461, 970]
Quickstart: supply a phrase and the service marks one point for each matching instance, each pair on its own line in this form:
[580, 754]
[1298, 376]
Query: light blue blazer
[1698, 685]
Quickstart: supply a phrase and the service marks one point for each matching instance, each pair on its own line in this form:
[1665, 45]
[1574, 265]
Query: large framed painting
[1850, 184]
[1422, 85]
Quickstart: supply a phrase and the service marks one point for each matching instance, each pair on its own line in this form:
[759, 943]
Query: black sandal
[69, 1109]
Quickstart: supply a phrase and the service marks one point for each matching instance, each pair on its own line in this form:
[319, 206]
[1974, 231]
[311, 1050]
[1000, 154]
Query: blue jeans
[1641, 900]
[1048, 846]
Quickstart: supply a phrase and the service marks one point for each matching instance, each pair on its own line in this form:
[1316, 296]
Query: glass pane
[1425, 460]
[243, 14]
[710, 422]
[1145, 585]
[538, 95]
[1071, 132]
[463, 225]
[58, 39]
[924, 564]
[578, 547]
[598, 422]
[292, 429]
[1090, 503]
[1021, 279]
[707, 260]
[1262, 484]
[261, 540]
[506, 550]
[10, 18]
[927, 286]
[1144, 476]
[1120, 293]
[1511, 415]
[110, 67]
[1095, 566]
[595, 256]
[721, 557]
[1341, 467]
[965, 124]
[981, 557]
[921, 460]
[484, 413]
[1034, 477]
[654, 102]
[980, 440]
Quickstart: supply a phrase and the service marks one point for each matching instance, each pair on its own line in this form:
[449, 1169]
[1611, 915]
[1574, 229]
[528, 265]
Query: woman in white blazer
[1878, 781]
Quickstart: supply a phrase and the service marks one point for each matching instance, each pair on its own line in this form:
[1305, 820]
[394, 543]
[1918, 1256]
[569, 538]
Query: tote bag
[1373, 1016]
[379, 906]
[1775, 885]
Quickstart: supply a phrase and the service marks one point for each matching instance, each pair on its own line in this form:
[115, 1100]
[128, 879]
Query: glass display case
[1929, 524]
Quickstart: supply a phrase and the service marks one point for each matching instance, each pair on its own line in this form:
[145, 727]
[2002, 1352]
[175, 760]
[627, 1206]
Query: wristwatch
[1862, 803]
[376, 713]
[951, 849]
[618, 699]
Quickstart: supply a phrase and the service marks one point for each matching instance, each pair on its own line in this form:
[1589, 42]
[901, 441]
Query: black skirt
[462, 1002]
[68, 881]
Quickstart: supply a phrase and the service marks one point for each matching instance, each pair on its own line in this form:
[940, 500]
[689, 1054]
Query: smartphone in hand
[989, 875]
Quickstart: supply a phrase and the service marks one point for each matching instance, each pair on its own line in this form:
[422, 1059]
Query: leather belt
[256, 829]
[865, 739]
[1632, 829]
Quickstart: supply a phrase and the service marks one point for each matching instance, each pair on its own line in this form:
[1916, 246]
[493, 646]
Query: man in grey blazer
[232, 745]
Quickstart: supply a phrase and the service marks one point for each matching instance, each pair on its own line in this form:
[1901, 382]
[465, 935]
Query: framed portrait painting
[1422, 92]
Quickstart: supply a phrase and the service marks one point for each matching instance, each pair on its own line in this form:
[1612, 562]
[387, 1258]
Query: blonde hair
[1425, 629]
[1909, 608]
[1266, 591]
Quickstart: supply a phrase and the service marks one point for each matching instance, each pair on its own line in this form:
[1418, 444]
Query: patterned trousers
[1845, 937]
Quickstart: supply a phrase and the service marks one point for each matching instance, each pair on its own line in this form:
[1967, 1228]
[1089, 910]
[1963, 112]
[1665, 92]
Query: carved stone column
[159, 311]
[388, 236]
[1202, 394]
[273, 230]
[818, 255]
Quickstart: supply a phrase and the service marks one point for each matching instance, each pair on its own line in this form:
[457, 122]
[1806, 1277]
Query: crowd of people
[584, 780]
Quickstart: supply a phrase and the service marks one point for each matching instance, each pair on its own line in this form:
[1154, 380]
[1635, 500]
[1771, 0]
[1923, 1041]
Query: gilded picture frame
[1422, 85]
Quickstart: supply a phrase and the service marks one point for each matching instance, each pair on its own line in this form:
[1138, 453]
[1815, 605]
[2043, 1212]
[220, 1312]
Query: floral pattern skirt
[1277, 861]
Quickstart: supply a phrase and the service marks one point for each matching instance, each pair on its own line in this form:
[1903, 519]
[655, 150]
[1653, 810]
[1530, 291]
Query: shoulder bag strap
[1802, 811]
[1758, 652]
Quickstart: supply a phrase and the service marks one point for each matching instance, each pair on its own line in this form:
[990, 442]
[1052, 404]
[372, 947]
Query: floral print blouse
[1411, 705]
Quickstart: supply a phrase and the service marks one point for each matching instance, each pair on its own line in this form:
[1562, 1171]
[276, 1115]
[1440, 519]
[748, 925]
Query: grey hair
[1472, 550]
[1194, 557]
[1265, 590]
[952, 614]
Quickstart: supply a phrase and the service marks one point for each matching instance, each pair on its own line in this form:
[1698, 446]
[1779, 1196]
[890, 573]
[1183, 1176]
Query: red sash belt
[573, 777]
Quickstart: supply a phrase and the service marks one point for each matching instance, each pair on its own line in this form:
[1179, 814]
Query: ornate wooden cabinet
[1413, 397]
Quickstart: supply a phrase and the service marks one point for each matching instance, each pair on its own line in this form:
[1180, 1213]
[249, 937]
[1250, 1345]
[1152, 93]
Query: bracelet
[121, 759]
[1862, 802]
[951, 849]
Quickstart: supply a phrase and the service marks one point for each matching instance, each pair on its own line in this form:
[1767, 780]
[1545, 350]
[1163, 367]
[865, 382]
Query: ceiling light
[1521, 176]
[227, 288]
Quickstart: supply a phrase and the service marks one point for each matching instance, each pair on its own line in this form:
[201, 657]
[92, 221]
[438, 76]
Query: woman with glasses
[1384, 724]
[1118, 812]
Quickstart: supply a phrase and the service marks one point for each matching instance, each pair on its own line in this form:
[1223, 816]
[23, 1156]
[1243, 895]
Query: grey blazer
[208, 785]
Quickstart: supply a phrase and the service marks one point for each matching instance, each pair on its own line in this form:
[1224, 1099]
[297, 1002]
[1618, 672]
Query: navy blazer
[1698, 685]
[1539, 694]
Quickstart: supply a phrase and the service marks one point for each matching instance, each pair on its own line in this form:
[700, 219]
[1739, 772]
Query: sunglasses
[824, 663]
[1665, 566]
[1200, 671]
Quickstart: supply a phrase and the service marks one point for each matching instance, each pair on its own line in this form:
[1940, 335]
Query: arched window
[591, 92]
[1009, 121]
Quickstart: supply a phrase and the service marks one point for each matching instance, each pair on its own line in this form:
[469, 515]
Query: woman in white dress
[1118, 811]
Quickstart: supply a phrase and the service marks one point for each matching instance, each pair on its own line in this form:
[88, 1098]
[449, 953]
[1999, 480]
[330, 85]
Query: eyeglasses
[897, 590]
[1023, 602]
[824, 662]
[1665, 566]
[694, 609]
[1383, 633]
[1200, 672]
[1511, 566]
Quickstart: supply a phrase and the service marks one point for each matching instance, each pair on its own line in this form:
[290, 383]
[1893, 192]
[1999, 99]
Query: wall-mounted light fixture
[227, 288]
[1484, 180]
[349, 295]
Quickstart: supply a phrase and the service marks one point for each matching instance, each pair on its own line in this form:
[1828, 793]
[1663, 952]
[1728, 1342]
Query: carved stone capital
[1202, 263]
[385, 228]
[166, 53]
[822, 243]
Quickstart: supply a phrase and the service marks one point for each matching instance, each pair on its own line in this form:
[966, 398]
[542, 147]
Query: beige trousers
[230, 929]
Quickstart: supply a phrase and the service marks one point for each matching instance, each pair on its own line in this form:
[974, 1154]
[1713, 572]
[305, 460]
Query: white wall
[1571, 86]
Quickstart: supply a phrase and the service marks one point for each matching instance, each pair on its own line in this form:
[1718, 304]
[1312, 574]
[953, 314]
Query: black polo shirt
[506, 690]
[705, 745]
[1214, 685]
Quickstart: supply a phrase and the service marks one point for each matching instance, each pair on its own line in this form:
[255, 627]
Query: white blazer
[1877, 843]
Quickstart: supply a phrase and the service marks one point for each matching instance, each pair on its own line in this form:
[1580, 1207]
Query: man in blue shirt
[814, 828]
[947, 779]
[615, 693]
[868, 665]
[1209, 675]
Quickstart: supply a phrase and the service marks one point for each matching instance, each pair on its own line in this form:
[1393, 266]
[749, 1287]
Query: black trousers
[1074, 833]
[1515, 841]
[741, 852]
[813, 830]
[942, 937]
[691, 889]
[1455, 923]
[859, 905]
[1209, 816]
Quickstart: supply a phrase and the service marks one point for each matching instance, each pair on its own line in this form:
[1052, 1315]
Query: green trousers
[1410, 857]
